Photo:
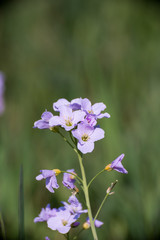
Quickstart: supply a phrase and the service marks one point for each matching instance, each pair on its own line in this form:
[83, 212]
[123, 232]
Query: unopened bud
[86, 225]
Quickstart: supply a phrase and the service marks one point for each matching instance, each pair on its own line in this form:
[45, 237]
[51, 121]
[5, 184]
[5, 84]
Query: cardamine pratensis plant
[79, 118]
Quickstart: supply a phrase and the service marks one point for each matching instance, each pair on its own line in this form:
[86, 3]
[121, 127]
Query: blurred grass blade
[2, 227]
[21, 205]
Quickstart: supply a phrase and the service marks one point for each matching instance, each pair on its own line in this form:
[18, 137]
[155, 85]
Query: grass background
[107, 51]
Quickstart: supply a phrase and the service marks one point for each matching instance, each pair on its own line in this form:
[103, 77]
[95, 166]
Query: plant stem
[95, 177]
[101, 206]
[85, 189]
[2, 227]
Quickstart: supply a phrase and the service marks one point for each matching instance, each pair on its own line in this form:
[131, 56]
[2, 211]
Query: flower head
[75, 207]
[62, 221]
[51, 181]
[117, 165]
[45, 214]
[69, 179]
[68, 119]
[86, 136]
[43, 123]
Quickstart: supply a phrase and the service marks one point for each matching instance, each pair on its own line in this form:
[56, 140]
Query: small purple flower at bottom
[43, 123]
[45, 214]
[86, 136]
[87, 224]
[47, 238]
[117, 165]
[51, 181]
[62, 221]
[69, 179]
[75, 207]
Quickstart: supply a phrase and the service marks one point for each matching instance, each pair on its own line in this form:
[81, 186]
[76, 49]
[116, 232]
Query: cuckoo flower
[86, 136]
[75, 104]
[51, 181]
[62, 221]
[45, 214]
[67, 119]
[43, 123]
[75, 207]
[1, 93]
[117, 165]
[95, 110]
[69, 179]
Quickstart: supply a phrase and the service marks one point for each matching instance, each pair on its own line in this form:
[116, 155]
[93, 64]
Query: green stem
[85, 189]
[66, 140]
[107, 194]
[95, 177]
[101, 206]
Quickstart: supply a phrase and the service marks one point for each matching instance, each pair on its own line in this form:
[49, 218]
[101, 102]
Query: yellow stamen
[85, 137]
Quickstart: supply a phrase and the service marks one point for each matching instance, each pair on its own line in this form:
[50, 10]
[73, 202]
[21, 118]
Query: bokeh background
[107, 51]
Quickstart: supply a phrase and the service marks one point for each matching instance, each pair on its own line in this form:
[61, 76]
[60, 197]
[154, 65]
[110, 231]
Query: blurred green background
[107, 51]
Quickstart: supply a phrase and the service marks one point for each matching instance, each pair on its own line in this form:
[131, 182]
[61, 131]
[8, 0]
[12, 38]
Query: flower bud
[86, 225]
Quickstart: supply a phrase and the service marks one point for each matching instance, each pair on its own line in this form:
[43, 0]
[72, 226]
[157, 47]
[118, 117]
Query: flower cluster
[62, 218]
[78, 116]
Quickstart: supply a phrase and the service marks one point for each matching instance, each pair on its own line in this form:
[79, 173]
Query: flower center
[68, 122]
[90, 111]
[85, 137]
[64, 222]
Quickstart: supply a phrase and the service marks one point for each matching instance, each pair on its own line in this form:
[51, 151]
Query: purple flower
[86, 136]
[95, 110]
[51, 181]
[75, 207]
[1, 93]
[43, 123]
[97, 223]
[47, 238]
[67, 119]
[62, 221]
[59, 103]
[117, 165]
[45, 214]
[69, 179]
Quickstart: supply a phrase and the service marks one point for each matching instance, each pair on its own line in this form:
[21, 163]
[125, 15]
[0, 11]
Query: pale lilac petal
[64, 229]
[78, 116]
[76, 104]
[65, 112]
[117, 160]
[47, 173]
[98, 223]
[97, 134]
[102, 115]
[54, 223]
[39, 177]
[41, 124]
[55, 121]
[86, 148]
[86, 104]
[59, 103]
[117, 165]
[46, 116]
[97, 108]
